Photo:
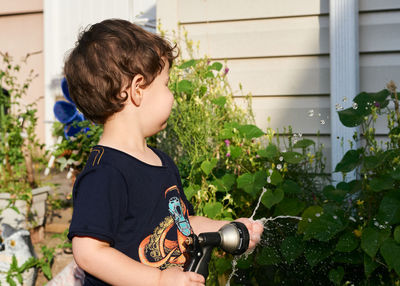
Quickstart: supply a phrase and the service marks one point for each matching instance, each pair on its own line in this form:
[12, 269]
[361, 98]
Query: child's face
[157, 103]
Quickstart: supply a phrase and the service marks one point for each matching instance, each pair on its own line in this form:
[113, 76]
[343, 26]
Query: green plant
[43, 264]
[74, 151]
[20, 149]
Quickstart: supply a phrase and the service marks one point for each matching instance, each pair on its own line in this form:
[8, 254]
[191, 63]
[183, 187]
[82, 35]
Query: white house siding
[279, 51]
[64, 20]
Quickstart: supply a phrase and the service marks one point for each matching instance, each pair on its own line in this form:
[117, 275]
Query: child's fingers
[195, 277]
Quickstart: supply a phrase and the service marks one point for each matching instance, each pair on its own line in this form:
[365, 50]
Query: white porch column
[344, 74]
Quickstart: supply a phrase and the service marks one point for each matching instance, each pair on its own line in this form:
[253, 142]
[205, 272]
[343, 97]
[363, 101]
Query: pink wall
[21, 32]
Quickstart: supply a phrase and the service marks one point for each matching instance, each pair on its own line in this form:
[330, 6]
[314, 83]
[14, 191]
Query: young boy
[131, 217]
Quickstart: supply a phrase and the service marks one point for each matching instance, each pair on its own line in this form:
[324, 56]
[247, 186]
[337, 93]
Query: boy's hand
[175, 276]
[255, 230]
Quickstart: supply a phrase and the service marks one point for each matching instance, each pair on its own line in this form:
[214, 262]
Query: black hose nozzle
[233, 238]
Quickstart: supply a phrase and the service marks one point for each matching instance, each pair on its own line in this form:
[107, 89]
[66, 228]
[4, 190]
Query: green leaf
[336, 275]
[366, 100]
[14, 208]
[209, 74]
[333, 194]
[270, 152]
[307, 217]
[191, 190]
[31, 262]
[289, 206]
[250, 131]
[14, 263]
[292, 157]
[276, 178]
[369, 265]
[291, 187]
[212, 209]
[381, 183]
[185, 86]
[371, 162]
[291, 248]
[235, 151]
[188, 64]
[260, 178]
[216, 66]
[268, 256]
[350, 117]
[226, 133]
[19, 278]
[207, 166]
[271, 197]
[47, 271]
[349, 161]
[396, 234]
[324, 227]
[347, 242]
[11, 281]
[203, 90]
[390, 251]
[303, 143]
[228, 180]
[389, 209]
[246, 182]
[220, 101]
[372, 239]
[316, 252]
[244, 262]
[222, 265]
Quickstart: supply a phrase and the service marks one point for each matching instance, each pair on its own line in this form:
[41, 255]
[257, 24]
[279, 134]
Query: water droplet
[311, 113]
[338, 106]
[355, 105]
[322, 122]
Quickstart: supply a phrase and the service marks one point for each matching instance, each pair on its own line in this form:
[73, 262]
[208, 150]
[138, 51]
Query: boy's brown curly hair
[106, 58]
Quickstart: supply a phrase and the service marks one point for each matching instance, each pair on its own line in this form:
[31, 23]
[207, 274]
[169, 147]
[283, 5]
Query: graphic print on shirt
[156, 249]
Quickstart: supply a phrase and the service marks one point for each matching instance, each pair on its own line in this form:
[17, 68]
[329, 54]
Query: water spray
[233, 238]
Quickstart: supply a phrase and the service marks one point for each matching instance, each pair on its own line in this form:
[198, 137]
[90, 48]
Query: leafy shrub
[20, 149]
[349, 233]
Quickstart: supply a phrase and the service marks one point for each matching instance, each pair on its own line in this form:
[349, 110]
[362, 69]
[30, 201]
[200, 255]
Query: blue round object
[72, 128]
[64, 88]
[65, 112]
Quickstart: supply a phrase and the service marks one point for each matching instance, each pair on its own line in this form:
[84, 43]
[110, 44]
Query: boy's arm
[112, 266]
[202, 224]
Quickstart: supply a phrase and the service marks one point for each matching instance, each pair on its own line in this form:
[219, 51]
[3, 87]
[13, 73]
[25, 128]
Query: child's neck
[128, 138]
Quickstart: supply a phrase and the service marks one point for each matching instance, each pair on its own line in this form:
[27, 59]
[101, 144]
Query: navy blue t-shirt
[140, 209]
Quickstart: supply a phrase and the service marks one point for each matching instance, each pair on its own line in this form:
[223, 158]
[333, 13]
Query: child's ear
[136, 90]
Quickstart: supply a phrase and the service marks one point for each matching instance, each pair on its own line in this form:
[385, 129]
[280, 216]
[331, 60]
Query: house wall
[21, 32]
[279, 52]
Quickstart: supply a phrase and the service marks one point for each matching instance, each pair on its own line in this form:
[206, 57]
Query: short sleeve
[99, 199]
